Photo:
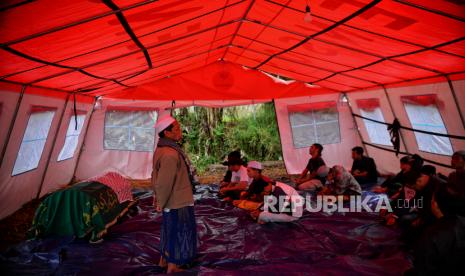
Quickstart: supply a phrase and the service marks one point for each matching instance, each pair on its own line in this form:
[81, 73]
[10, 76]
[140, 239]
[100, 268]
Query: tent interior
[83, 82]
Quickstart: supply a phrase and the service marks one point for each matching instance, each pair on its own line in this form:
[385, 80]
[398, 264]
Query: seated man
[414, 216]
[290, 210]
[417, 162]
[363, 167]
[402, 201]
[315, 167]
[393, 184]
[252, 198]
[239, 180]
[451, 196]
[427, 184]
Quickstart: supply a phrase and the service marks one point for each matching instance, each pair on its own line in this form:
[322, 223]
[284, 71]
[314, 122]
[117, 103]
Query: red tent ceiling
[103, 47]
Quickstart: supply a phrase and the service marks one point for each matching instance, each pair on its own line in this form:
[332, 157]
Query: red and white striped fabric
[120, 185]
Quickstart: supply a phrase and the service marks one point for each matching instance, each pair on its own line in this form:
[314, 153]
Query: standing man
[172, 183]
[364, 167]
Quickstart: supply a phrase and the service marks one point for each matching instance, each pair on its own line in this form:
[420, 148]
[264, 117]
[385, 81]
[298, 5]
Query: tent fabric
[392, 106]
[22, 188]
[368, 104]
[143, 54]
[95, 160]
[449, 113]
[218, 81]
[459, 89]
[296, 159]
[310, 106]
[9, 101]
[105, 47]
[420, 99]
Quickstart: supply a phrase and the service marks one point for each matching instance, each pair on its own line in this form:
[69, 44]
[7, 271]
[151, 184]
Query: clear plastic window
[130, 130]
[33, 142]
[72, 137]
[315, 126]
[428, 118]
[377, 133]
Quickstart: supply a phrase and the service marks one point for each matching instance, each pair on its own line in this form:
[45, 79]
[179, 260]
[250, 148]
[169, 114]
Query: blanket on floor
[87, 208]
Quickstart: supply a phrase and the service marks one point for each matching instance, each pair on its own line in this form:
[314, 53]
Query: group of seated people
[428, 207]
[246, 187]
[336, 180]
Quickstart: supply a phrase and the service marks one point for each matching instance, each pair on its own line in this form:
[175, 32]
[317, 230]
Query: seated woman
[341, 182]
[253, 197]
[290, 210]
[239, 179]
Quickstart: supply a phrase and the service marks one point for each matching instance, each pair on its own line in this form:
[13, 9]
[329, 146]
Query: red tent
[142, 55]
[97, 47]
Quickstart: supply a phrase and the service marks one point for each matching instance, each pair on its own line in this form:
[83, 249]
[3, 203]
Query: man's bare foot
[173, 268]
[162, 263]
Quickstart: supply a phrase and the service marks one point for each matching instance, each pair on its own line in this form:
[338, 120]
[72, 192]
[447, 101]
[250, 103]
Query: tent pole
[12, 124]
[279, 133]
[395, 116]
[452, 90]
[84, 141]
[356, 124]
[49, 158]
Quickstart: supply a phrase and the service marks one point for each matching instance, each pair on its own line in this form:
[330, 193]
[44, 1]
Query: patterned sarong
[178, 241]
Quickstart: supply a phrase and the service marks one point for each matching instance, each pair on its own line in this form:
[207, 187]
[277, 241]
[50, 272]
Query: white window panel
[315, 126]
[33, 142]
[130, 130]
[377, 133]
[72, 137]
[428, 118]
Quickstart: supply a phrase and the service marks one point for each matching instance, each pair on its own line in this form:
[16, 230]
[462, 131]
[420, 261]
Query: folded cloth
[120, 185]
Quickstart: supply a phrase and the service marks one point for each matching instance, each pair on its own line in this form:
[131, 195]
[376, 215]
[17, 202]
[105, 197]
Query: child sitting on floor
[283, 205]
[252, 198]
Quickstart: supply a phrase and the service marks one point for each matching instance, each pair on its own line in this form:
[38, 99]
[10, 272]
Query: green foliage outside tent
[211, 133]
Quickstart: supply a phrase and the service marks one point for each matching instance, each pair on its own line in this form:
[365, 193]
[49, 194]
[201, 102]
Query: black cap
[234, 158]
